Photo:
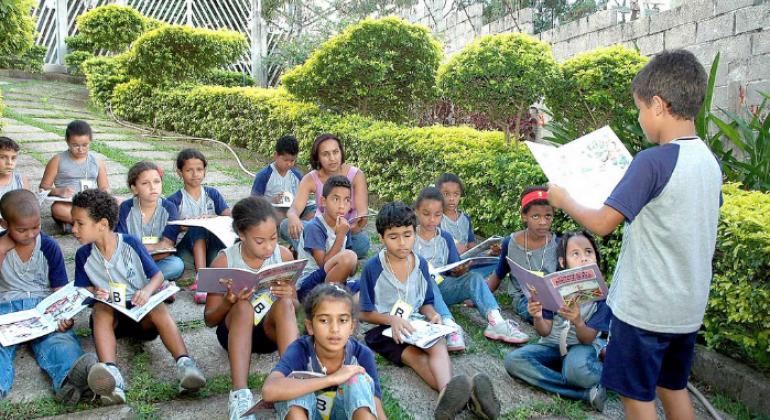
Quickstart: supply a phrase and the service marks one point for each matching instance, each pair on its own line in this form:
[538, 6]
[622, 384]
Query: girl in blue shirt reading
[347, 386]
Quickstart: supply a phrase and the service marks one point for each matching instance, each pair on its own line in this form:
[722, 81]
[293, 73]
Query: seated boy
[396, 286]
[326, 241]
[110, 263]
[31, 267]
[280, 177]
[10, 178]
[669, 199]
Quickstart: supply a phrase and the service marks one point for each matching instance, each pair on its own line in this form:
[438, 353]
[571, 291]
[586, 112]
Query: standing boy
[669, 199]
[31, 268]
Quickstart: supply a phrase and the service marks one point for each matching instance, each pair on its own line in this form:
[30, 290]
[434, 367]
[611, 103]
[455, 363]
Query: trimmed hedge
[102, 75]
[2, 109]
[16, 27]
[399, 161]
[111, 27]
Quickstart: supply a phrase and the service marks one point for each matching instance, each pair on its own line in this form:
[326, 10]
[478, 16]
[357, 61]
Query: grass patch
[735, 408]
[190, 325]
[83, 332]
[390, 404]
[475, 332]
[557, 407]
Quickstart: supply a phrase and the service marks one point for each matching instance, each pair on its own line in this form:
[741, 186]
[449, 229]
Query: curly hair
[100, 205]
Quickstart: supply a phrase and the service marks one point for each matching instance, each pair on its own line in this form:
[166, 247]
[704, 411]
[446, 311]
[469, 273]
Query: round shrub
[596, 89]
[173, 54]
[79, 43]
[75, 59]
[17, 28]
[384, 68]
[499, 76]
[228, 78]
[111, 27]
[102, 75]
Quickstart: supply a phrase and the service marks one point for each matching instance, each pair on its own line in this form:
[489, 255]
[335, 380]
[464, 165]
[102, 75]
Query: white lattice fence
[214, 14]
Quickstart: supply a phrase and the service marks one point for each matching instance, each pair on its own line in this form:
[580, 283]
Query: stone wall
[739, 29]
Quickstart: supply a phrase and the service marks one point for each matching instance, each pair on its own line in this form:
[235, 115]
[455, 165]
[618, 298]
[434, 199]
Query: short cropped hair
[188, 154]
[251, 211]
[7, 143]
[315, 161]
[678, 78]
[287, 145]
[395, 214]
[78, 128]
[448, 177]
[334, 182]
[100, 205]
[17, 204]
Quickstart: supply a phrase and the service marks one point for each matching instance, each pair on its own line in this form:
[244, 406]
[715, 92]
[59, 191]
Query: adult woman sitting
[327, 158]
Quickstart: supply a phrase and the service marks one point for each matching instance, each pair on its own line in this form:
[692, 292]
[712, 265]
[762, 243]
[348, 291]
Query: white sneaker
[190, 377]
[456, 340]
[240, 402]
[107, 382]
[506, 332]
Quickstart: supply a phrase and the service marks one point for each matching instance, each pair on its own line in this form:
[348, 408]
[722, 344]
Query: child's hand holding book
[535, 309]
[401, 328]
[283, 289]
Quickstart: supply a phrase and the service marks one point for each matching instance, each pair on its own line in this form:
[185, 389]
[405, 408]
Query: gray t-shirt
[36, 277]
[71, 173]
[670, 197]
[539, 259]
[16, 183]
[235, 258]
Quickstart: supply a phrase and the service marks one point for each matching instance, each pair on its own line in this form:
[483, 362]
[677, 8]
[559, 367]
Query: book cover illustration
[138, 312]
[221, 226]
[589, 167]
[563, 288]
[425, 334]
[216, 280]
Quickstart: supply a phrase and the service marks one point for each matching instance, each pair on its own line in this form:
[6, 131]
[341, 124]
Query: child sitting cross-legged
[438, 248]
[350, 388]
[256, 224]
[326, 241]
[110, 261]
[31, 267]
[569, 337]
[396, 286]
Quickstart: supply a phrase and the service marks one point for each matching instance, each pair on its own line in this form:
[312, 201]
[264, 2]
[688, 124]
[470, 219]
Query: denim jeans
[469, 286]
[184, 249]
[172, 267]
[541, 365]
[360, 241]
[357, 392]
[55, 353]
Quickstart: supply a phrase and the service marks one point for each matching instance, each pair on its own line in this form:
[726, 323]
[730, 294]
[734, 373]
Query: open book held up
[562, 288]
[221, 226]
[216, 280]
[138, 312]
[489, 248]
[18, 327]
[425, 334]
[589, 168]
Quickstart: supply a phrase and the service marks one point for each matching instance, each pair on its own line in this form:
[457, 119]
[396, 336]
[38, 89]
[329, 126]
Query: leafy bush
[79, 43]
[111, 27]
[383, 68]
[227, 78]
[596, 90]
[31, 60]
[16, 27]
[173, 54]
[738, 314]
[75, 59]
[2, 109]
[102, 75]
[500, 76]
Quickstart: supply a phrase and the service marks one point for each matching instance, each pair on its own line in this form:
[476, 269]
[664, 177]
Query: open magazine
[589, 168]
[287, 199]
[138, 312]
[425, 334]
[45, 195]
[221, 226]
[489, 248]
[65, 303]
[162, 251]
[216, 280]
[562, 288]
[436, 272]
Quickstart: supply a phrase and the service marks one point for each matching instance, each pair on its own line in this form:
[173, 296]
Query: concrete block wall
[738, 29]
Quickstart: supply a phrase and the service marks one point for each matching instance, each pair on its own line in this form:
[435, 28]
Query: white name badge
[87, 184]
[401, 309]
[118, 293]
[261, 304]
[150, 240]
[324, 403]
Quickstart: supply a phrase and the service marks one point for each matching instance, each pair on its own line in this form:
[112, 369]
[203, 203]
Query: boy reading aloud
[31, 267]
[669, 199]
[280, 177]
[396, 286]
[111, 264]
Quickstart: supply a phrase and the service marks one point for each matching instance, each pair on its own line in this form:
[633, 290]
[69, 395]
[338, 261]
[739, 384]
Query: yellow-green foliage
[102, 75]
[175, 54]
[110, 27]
[2, 108]
[383, 68]
[595, 89]
[738, 315]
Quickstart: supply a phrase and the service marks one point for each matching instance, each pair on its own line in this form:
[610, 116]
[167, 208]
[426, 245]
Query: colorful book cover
[216, 280]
